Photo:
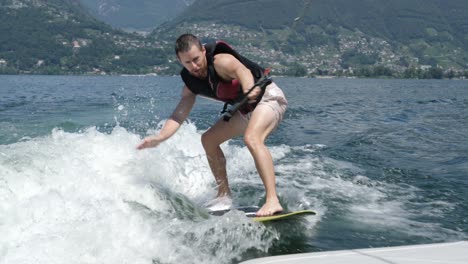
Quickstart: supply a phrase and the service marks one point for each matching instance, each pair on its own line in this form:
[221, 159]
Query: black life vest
[213, 86]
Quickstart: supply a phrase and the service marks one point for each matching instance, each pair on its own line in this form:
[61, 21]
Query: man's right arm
[179, 115]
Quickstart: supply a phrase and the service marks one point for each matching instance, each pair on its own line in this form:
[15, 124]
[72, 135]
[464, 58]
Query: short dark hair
[185, 42]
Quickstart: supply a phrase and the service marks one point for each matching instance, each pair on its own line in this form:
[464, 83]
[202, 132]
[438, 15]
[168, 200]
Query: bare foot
[219, 203]
[270, 208]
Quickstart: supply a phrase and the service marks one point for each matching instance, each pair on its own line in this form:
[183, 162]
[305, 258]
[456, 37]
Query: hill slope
[396, 19]
[297, 37]
[333, 35]
[136, 14]
[59, 36]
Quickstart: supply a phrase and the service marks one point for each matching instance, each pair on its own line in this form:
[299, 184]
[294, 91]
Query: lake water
[382, 162]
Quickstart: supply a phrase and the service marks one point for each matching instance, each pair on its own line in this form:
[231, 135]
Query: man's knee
[252, 141]
[207, 141]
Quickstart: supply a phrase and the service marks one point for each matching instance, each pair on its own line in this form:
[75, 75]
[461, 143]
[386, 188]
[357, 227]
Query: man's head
[191, 54]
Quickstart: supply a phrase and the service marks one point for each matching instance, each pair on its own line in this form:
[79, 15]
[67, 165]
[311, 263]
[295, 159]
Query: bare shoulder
[226, 64]
[222, 59]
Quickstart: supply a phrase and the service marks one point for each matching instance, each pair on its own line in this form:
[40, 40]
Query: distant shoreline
[324, 77]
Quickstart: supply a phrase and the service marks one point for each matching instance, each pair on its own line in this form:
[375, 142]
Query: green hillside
[135, 14]
[60, 37]
[398, 20]
[365, 38]
[347, 35]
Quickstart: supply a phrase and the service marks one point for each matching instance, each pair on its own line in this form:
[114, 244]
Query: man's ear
[178, 60]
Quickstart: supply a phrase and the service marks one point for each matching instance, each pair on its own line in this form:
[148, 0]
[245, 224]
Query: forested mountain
[60, 37]
[396, 20]
[139, 15]
[334, 35]
[398, 38]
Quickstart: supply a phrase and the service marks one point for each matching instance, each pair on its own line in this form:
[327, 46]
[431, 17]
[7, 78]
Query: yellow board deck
[250, 212]
[283, 216]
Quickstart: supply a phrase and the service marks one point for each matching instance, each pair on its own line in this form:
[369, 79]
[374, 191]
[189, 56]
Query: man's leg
[212, 139]
[263, 121]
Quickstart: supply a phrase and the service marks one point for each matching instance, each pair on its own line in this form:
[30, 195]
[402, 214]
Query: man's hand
[254, 94]
[149, 142]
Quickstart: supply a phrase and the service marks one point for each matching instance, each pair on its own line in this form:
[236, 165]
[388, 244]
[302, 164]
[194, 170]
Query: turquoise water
[383, 162]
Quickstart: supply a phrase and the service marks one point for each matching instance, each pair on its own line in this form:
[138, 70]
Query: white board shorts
[273, 98]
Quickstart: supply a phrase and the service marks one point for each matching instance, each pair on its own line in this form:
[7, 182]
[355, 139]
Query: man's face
[194, 61]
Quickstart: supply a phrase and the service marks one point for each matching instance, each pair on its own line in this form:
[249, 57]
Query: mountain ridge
[411, 33]
[136, 15]
[61, 37]
[299, 37]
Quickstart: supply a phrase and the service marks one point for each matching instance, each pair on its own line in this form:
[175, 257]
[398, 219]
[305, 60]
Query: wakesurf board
[250, 211]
